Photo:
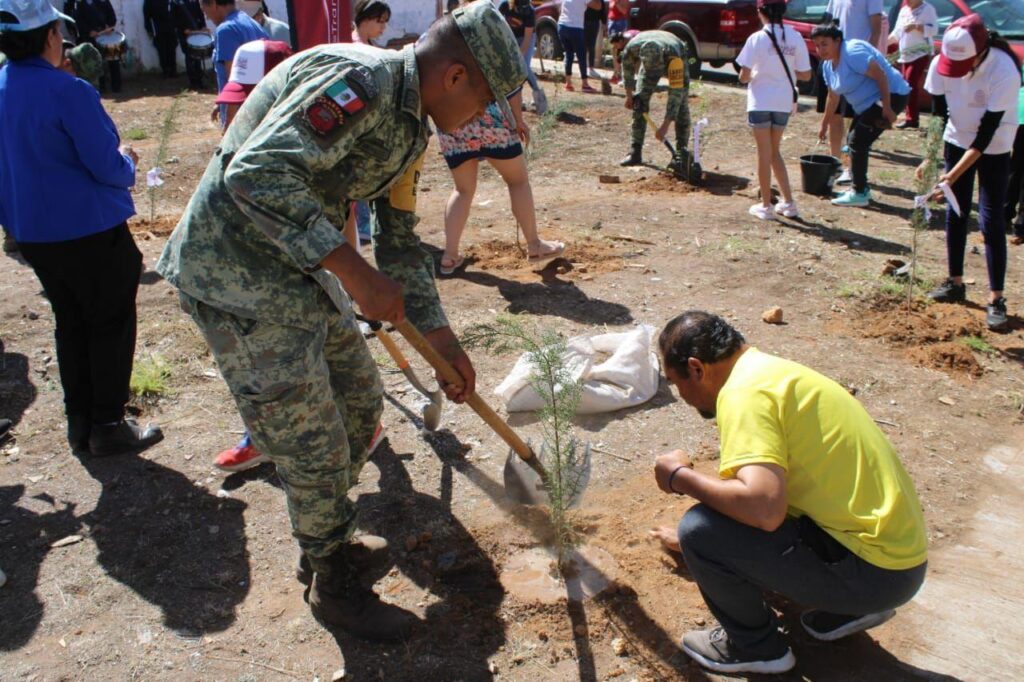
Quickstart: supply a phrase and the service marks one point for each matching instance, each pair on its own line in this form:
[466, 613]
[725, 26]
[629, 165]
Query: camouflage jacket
[329, 125]
[649, 56]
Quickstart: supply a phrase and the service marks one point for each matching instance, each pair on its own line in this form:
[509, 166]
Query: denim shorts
[618, 26]
[767, 119]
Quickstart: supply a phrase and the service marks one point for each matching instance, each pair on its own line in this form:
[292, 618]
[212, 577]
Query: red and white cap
[252, 62]
[964, 40]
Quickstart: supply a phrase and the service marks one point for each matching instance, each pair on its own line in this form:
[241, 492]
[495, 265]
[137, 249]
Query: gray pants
[734, 564]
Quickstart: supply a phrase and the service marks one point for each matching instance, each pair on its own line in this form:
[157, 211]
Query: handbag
[785, 65]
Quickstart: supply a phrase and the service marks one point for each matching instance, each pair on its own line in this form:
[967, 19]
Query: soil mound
[581, 256]
[928, 332]
[160, 226]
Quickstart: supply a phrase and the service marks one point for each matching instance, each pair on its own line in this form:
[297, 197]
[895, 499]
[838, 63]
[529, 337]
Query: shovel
[527, 481]
[691, 177]
[431, 411]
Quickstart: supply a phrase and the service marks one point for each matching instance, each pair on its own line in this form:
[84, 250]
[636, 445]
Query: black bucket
[818, 172]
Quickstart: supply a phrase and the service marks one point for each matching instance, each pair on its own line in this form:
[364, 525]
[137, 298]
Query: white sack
[627, 378]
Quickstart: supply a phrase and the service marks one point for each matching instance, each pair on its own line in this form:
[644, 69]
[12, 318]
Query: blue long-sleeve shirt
[61, 174]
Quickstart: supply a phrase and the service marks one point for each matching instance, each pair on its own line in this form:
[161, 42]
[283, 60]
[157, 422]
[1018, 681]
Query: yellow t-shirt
[841, 470]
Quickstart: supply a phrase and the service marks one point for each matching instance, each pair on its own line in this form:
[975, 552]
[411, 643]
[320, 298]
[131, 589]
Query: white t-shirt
[572, 13]
[915, 44]
[994, 86]
[769, 89]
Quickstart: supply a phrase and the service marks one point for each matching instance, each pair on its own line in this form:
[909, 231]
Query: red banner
[314, 22]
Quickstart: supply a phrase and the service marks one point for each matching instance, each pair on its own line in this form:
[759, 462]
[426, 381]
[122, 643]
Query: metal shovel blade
[523, 485]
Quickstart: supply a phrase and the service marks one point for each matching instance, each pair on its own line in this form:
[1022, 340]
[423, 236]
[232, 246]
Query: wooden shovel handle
[450, 375]
[392, 348]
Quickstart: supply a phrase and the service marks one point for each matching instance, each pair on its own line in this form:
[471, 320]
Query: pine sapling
[560, 392]
[926, 180]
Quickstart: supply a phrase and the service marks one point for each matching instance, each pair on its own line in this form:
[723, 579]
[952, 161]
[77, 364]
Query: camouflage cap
[495, 48]
[87, 63]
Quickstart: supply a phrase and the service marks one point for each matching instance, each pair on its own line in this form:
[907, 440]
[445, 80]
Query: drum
[111, 45]
[200, 46]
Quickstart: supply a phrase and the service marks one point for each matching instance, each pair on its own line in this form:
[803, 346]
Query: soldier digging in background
[259, 253]
[646, 57]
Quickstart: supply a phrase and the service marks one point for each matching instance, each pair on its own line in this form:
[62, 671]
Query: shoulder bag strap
[785, 65]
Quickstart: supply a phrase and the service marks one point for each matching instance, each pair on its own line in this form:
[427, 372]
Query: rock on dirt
[609, 179]
[619, 646]
[772, 315]
[339, 674]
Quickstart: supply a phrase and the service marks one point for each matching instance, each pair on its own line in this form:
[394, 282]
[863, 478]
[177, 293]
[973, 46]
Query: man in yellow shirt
[811, 501]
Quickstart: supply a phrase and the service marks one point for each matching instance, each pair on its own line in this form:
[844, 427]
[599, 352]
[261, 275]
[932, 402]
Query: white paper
[697, 127]
[153, 178]
[947, 192]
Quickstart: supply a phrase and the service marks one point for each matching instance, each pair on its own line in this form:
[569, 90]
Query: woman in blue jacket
[64, 196]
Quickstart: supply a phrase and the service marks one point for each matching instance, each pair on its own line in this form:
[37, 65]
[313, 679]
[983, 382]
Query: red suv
[1004, 16]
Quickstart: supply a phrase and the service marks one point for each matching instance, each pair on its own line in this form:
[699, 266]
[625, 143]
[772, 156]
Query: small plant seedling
[561, 394]
[149, 377]
[136, 134]
[925, 183]
[978, 344]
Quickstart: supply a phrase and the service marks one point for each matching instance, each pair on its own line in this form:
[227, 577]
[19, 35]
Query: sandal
[549, 255]
[448, 270]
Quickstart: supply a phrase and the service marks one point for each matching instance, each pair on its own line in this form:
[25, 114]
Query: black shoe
[635, 158]
[907, 124]
[124, 437]
[996, 314]
[949, 292]
[5, 429]
[79, 428]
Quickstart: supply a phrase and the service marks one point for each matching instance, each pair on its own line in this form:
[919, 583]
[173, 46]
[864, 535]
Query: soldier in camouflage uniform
[647, 57]
[259, 253]
[83, 61]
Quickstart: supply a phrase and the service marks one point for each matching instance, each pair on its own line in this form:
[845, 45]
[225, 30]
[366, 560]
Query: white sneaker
[762, 212]
[845, 178]
[787, 209]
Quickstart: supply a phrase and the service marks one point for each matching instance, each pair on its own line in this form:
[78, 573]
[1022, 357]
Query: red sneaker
[378, 437]
[241, 457]
[614, 80]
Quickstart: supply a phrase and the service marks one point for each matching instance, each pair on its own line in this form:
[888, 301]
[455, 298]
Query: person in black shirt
[592, 20]
[156, 16]
[188, 20]
[522, 20]
[95, 17]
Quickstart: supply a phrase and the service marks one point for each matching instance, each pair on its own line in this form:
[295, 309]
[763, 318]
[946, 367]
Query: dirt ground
[158, 567]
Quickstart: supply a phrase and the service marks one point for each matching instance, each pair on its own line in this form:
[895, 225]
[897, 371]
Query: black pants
[1015, 192]
[193, 67]
[591, 27]
[863, 133]
[992, 171]
[735, 564]
[167, 50]
[91, 283]
[114, 73]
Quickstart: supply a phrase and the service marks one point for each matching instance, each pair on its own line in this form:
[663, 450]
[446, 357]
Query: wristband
[672, 476]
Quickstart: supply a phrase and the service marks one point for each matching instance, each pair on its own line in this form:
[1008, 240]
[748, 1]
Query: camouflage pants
[682, 121]
[311, 398]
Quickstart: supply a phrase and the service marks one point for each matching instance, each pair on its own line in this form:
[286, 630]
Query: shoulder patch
[324, 116]
[340, 104]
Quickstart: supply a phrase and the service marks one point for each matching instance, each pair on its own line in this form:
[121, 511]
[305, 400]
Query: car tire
[693, 62]
[548, 45]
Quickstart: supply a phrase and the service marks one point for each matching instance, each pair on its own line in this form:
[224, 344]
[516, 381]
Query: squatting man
[811, 501]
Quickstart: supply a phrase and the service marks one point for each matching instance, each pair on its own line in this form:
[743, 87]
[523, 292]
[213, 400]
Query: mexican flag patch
[345, 97]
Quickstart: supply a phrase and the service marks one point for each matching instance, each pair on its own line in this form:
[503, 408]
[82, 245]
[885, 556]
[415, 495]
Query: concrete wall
[407, 17]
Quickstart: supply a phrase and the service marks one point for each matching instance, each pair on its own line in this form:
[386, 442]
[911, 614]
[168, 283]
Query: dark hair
[616, 37]
[18, 45]
[998, 42]
[827, 31]
[219, 3]
[443, 42]
[700, 335]
[368, 10]
[774, 13]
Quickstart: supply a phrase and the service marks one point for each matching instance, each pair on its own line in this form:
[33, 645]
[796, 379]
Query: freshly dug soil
[581, 256]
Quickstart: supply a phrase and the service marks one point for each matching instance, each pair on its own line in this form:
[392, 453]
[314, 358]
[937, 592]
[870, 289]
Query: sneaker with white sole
[828, 627]
[242, 457]
[854, 198]
[713, 650]
[787, 209]
[762, 212]
[845, 178]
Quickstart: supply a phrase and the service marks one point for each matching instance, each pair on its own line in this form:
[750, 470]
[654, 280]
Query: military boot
[635, 157]
[338, 599]
[369, 556]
